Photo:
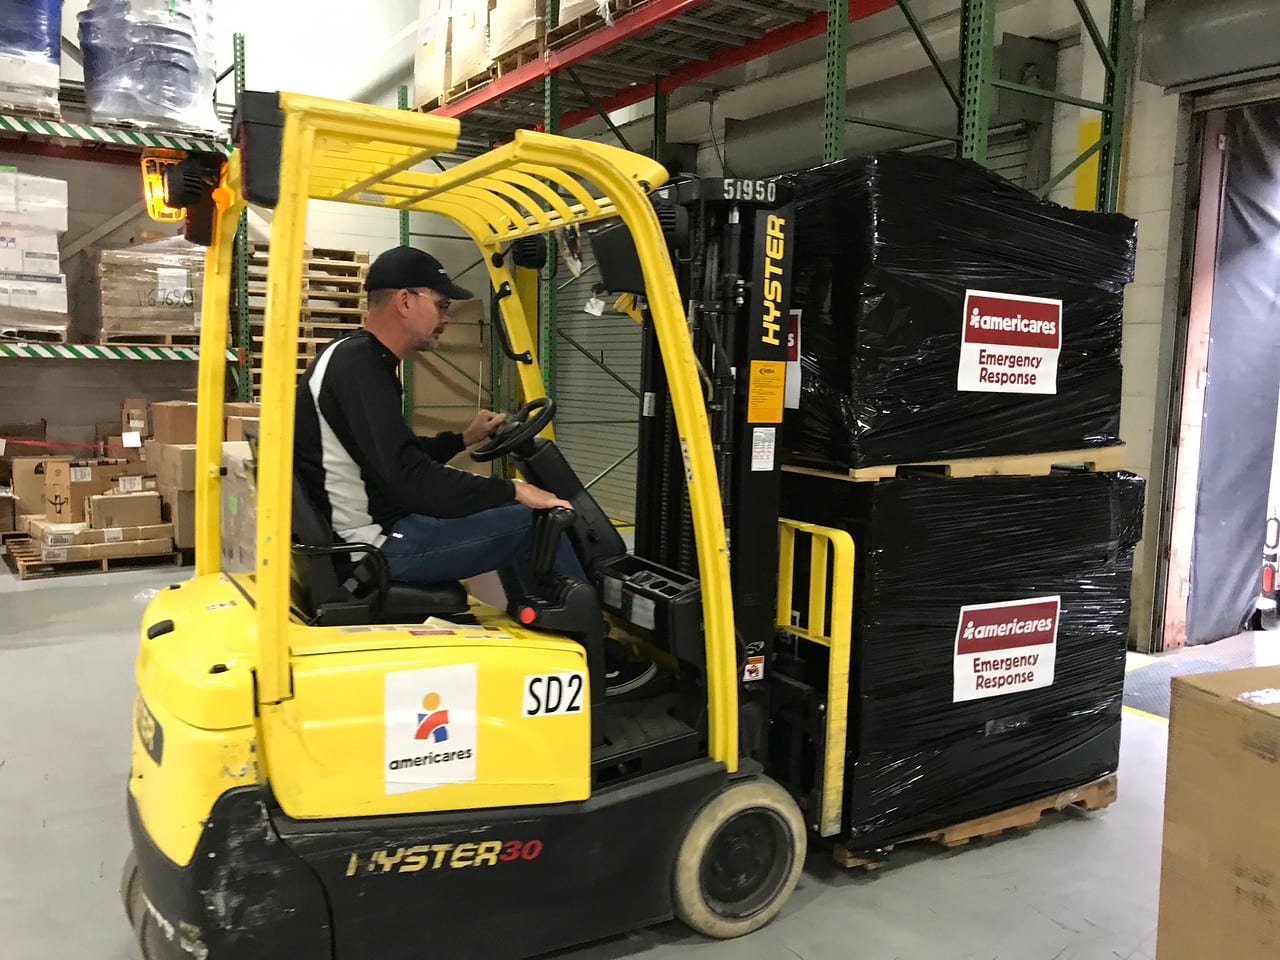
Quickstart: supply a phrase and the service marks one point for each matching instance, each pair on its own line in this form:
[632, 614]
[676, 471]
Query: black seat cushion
[414, 602]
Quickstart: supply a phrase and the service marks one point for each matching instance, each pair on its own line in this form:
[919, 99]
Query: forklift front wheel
[740, 860]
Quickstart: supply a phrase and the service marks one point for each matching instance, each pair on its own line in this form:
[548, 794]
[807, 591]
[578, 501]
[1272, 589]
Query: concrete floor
[1076, 888]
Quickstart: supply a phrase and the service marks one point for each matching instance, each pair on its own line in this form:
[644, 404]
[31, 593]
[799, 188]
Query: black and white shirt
[358, 459]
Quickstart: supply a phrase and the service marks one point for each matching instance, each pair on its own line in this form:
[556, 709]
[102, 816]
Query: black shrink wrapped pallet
[887, 247]
[930, 550]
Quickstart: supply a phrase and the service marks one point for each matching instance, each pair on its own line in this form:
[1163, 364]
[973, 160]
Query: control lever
[548, 526]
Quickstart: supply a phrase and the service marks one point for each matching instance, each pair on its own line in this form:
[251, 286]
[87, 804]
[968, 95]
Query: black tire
[740, 860]
[131, 891]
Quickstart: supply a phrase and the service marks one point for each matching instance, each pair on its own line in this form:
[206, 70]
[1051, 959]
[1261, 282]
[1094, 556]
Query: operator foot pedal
[625, 675]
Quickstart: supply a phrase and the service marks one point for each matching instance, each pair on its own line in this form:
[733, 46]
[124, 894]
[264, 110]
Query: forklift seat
[348, 584]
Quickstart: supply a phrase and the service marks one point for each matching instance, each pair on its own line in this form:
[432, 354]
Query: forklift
[330, 764]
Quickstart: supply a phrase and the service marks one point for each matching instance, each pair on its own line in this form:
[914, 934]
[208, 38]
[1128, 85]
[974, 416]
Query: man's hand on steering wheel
[482, 427]
[517, 430]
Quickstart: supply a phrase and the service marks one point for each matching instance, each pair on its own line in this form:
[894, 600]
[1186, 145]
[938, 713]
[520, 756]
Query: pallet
[24, 557]
[1096, 459]
[1092, 796]
[125, 338]
[16, 333]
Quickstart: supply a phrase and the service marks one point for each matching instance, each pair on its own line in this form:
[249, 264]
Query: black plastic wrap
[929, 546]
[887, 247]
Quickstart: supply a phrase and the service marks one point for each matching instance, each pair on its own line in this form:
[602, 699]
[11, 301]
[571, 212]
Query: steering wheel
[519, 428]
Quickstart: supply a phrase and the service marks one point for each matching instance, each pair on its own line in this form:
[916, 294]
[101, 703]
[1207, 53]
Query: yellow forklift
[330, 765]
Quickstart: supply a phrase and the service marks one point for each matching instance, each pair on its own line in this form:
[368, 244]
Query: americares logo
[432, 725]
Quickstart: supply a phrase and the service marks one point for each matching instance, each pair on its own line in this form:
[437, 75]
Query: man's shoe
[624, 673]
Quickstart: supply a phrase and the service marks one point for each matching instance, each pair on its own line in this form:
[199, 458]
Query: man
[378, 483]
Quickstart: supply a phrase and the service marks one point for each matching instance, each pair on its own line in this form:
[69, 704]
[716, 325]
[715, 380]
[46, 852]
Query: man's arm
[443, 447]
[357, 399]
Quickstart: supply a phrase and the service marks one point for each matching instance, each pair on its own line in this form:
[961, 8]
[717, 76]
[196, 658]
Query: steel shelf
[656, 46]
[90, 351]
[30, 127]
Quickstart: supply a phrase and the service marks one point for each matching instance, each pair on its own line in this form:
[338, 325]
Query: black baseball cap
[403, 268]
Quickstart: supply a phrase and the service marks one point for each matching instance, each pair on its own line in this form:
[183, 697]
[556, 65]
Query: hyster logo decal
[415, 724]
[432, 725]
[1004, 648]
[775, 249]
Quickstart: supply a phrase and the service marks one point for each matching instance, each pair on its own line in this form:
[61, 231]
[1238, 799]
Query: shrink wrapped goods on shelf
[990, 623]
[946, 312]
[153, 288]
[150, 63]
[30, 56]
[33, 290]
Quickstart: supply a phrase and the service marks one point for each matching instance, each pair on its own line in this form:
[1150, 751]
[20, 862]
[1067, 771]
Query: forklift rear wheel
[131, 891]
[740, 860]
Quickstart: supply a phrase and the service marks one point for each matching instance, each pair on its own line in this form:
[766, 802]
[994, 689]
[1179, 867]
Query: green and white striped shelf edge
[118, 136]
[76, 351]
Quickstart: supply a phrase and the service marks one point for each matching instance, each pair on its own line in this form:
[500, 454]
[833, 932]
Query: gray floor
[1077, 888]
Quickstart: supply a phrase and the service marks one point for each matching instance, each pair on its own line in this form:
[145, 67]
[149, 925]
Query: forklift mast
[731, 244]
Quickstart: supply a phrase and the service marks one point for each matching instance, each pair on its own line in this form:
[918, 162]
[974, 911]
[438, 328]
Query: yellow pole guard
[214, 311]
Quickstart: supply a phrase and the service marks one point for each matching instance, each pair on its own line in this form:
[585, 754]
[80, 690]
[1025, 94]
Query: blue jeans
[432, 550]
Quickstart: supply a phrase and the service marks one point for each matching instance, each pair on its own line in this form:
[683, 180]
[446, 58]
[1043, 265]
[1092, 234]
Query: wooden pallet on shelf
[1092, 796]
[17, 333]
[24, 557]
[1097, 459]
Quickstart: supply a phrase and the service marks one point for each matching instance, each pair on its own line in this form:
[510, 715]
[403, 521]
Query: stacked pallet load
[31, 58]
[958, 416]
[150, 293]
[33, 289]
[333, 300]
[97, 515]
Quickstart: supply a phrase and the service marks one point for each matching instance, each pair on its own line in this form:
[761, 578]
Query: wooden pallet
[126, 338]
[24, 557]
[1092, 796]
[1100, 459]
[17, 333]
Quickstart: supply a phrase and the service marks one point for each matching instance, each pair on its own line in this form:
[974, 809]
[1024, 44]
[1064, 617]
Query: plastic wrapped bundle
[948, 313]
[151, 288]
[991, 618]
[30, 55]
[150, 63]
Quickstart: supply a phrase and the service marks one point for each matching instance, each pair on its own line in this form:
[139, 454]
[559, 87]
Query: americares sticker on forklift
[1004, 648]
[1010, 343]
[430, 720]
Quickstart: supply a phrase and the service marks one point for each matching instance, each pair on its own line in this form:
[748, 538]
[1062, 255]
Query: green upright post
[547, 295]
[1115, 96]
[977, 63]
[659, 120]
[407, 365]
[837, 86]
[244, 334]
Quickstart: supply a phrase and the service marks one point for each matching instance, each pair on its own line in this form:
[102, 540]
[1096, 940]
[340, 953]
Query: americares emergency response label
[1010, 344]
[1004, 648]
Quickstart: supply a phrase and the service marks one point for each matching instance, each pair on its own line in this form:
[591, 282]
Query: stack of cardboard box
[33, 289]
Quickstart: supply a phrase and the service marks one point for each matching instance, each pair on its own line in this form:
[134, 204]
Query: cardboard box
[107, 551]
[135, 482]
[30, 291]
[8, 512]
[179, 509]
[76, 534]
[1221, 844]
[176, 465]
[124, 510]
[237, 426]
[25, 520]
[174, 421]
[431, 59]
[28, 482]
[513, 24]
[236, 409]
[23, 250]
[573, 9]
[239, 509]
[32, 433]
[116, 447]
[133, 417]
[33, 203]
[468, 41]
[69, 483]
[151, 287]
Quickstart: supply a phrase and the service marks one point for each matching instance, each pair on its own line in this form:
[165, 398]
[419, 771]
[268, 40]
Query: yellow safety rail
[829, 625]
[355, 153]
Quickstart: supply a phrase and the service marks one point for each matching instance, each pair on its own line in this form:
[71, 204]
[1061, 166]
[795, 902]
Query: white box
[30, 82]
[30, 292]
[36, 203]
[29, 251]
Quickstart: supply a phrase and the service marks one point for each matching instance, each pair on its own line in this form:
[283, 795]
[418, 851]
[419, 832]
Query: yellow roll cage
[354, 153]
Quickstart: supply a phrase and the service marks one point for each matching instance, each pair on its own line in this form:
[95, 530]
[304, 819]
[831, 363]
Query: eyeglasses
[441, 305]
